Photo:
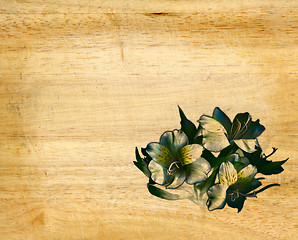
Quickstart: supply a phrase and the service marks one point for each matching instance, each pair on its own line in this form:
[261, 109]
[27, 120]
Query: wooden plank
[84, 82]
[142, 6]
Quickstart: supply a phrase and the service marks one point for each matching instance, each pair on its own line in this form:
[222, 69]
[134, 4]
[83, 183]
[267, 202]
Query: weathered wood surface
[84, 82]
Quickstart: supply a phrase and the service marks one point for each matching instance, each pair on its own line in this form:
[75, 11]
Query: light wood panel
[84, 82]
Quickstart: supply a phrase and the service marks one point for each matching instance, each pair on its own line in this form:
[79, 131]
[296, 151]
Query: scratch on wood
[121, 51]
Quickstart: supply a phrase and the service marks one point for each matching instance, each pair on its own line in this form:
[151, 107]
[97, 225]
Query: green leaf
[270, 167]
[217, 161]
[198, 139]
[187, 126]
[141, 164]
[264, 166]
[162, 193]
[228, 150]
[220, 116]
[266, 187]
[209, 157]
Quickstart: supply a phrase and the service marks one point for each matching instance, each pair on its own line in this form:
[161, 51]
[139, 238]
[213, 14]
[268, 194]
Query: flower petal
[216, 197]
[174, 140]
[159, 153]
[179, 178]
[214, 141]
[157, 172]
[190, 153]
[227, 173]
[239, 125]
[254, 129]
[197, 171]
[211, 124]
[247, 173]
[247, 145]
[220, 116]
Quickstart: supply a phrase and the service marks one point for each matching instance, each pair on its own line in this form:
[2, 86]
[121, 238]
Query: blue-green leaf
[158, 192]
[141, 164]
[270, 167]
[266, 187]
[187, 126]
[264, 166]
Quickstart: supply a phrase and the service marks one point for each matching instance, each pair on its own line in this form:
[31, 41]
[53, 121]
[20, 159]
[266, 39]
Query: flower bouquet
[215, 163]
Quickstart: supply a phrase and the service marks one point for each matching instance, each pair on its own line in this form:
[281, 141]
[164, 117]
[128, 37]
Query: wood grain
[84, 82]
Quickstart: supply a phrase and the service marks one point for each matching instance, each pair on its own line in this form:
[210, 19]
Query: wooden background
[84, 82]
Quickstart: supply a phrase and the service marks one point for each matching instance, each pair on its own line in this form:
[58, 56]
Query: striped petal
[211, 125]
[197, 171]
[214, 141]
[190, 153]
[159, 153]
[247, 173]
[157, 172]
[247, 145]
[174, 140]
[227, 174]
[216, 197]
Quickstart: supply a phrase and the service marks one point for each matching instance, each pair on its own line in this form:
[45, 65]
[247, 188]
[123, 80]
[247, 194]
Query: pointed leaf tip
[141, 164]
[187, 126]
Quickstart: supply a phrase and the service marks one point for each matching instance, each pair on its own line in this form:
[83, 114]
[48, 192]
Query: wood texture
[84, 82]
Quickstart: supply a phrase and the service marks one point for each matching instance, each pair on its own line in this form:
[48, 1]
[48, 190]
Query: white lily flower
[219, 132]
[227, 177]
[175, 161]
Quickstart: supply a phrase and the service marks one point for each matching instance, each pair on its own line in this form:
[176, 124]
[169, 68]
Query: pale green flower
[219, 132]
[229, 178]
[175, 161]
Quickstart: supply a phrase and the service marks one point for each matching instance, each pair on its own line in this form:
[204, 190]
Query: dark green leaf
[255, 158]
[260, 178]
[198, 139]
[217, 161]
[209, 157]
[162, 193]
[220, 116]
[144, 152]
[141, 164]
[228, 150]
[187, 126]
[264, 166]
[270, 167]
[266, 187]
